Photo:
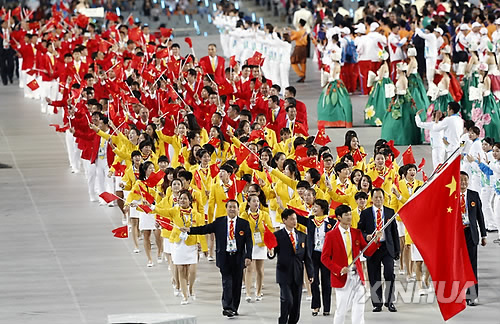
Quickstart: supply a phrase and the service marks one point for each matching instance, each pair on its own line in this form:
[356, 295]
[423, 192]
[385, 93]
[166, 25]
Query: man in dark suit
[292, 256]
[7, 54]
[233, 253]
[472, 217]
[370, 221]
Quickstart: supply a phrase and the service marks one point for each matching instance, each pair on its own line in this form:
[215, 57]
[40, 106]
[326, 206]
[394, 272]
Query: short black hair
[464, 173]
[286, 213]
[455, 106]
[315, 175]
[360, 195]
[186, 175]
[323, 204]
[374, 190]
[341, 210]
[340, 166]
[233, 201]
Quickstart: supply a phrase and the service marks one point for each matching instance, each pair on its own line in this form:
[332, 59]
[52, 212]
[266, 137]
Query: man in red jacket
[214, 64]
[342, 245]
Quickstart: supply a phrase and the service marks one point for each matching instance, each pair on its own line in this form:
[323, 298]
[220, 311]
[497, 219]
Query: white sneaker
[185, 301]
[209, 258]
[401, 272]
[150, 264]
[177, 292]
[136, 251]
[159, 260]
[248, 299]
[193, 297]
[258, 298]
[309, 298]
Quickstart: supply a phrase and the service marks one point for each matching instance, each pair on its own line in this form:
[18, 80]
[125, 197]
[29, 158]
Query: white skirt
[401, 228]
[167, 245]
[134, 213]
[259, 252]
[272, 215]
[117, 181]
[184, 254]
[146, 221]
[415, 254]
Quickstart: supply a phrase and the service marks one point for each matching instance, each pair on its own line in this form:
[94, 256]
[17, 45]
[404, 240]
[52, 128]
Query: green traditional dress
[443, 99]
[469, 81]
[491, 107]
[334, 106]
[377, 102]
[419, 95]
[399, 120]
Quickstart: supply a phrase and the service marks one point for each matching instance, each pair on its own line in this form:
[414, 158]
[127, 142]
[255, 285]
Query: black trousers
[472, 292]
[6, 64]
[373, 264]
[232, 277]
[290, 296]
[326, 288]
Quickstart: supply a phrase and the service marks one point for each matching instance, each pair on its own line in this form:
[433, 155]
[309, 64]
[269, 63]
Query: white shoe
[209, 258]
[309, 298]
[401, 272]
[160, 260]
[184, 302]
[136, 251]
[150, 264]
[258, 298]
[193, 297]
[248, 299]
[177, 292]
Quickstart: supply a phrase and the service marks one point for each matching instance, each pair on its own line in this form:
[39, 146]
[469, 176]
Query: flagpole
[397, 214]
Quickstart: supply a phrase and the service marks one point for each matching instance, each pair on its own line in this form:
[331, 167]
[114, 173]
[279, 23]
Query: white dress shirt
[453, 127]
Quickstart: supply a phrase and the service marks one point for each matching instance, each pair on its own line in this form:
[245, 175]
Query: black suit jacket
[243, 236]
[367, 226]
[475, 210]
[328, 224]
[290, 265]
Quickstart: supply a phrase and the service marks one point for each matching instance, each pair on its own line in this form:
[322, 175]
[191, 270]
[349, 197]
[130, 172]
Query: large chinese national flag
[433, 220]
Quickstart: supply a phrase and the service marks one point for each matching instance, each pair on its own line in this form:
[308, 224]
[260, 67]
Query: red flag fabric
[214, 141]
[240, 185]
[135, 34]
[232, 61]
[111, 16]
[388, 162]
[269, 238]
[181, 159]
[358, 156]
[16, 13]
[408, 157]
[131, 20]
[421, 165]
[255, 179]
[256, 134]
[145, 208]
[378, 182]
[60, 129]
[82, 21]
[119, 169]
[145, 195]
[241, 154]
[231, 193]
[164, 222]
[214, 170]
[342, 150]
[166, 32]
[334, 204]
[108, 197]
[322, 139]
[393, 149]
[154, 178]
[253, 162]
[441, 241]
[299, 128]
[33, 85]
[120, 232]
[298, 211]
[162, 53]
[224, 88]
[197, 180]
[424, 176]
[189, 42]
[307, 162]
[301, 151]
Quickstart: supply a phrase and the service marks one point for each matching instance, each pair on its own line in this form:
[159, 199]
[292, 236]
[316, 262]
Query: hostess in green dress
[492, 108]
[419, 95]
[469, 81]
[334, 106]
[377, 102]
[399, 121]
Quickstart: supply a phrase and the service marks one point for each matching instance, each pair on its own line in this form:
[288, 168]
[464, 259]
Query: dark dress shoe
[301, 80]
[377, 309]
[473, 303]
[236, 313]
[228, 313]
[392, 308]
[314, 313]
[326, 313]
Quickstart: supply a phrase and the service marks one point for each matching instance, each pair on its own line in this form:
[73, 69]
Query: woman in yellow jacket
[222, 148]
[385, 174]
[176, 141]
[258, 219]
[202, 172]
[185, 247]
[139, 195]
[277, 163]
[405, 188]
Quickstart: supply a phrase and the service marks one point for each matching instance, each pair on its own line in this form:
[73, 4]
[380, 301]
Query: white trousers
[437, 156]
[48, 89]
[74, 154]
[103, 182]
[474, 182]
[351, 295]
[90, 173]
[28, 93]
[496, 210]
[22, 79]
[486, 195]
[430, 69]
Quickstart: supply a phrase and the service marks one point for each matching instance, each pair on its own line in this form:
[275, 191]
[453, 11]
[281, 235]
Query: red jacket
[27, 51]
[334, 255]
[219, 73]
[302, 113]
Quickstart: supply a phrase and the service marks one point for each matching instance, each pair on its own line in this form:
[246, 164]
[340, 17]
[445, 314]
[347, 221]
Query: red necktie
[292, 239]
[231, 230]
[462, 204]
[380, 224]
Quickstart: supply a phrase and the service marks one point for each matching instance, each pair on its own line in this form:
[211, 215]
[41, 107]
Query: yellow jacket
[206, 182]
[188, 218]
[176, 143]
[388, 181]
[257, 224]
[216, 204]
[129, 178]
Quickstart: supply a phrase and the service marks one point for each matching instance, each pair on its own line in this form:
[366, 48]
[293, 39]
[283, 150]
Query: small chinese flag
[232, 61]
[60, 129]
[241, 153]
[322, 139]
[119, 169]
[164, 222]
[421, 165]
[214, 141]
[121, 232]
[334, 204]
[197, 179]
[166, 32]
[135, 34]
[307, 162]
[131, 20]
[298, 211]
[108, 197]
[162, 53]
[358, 156]
[189, 42]
[111, 16]
[408, 157]
[33, 85]
[181, 159]
[240, 185]
[269, 238]
[256, 134]
[299, 128]
[342, 150]
[393, 149]
[378, 182]
[214, 170]
[301, 151]
[154, 178]
[145, 208]
[253, 162]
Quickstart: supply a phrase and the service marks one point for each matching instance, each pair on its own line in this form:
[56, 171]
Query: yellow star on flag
[452, 186]
[450, 210]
